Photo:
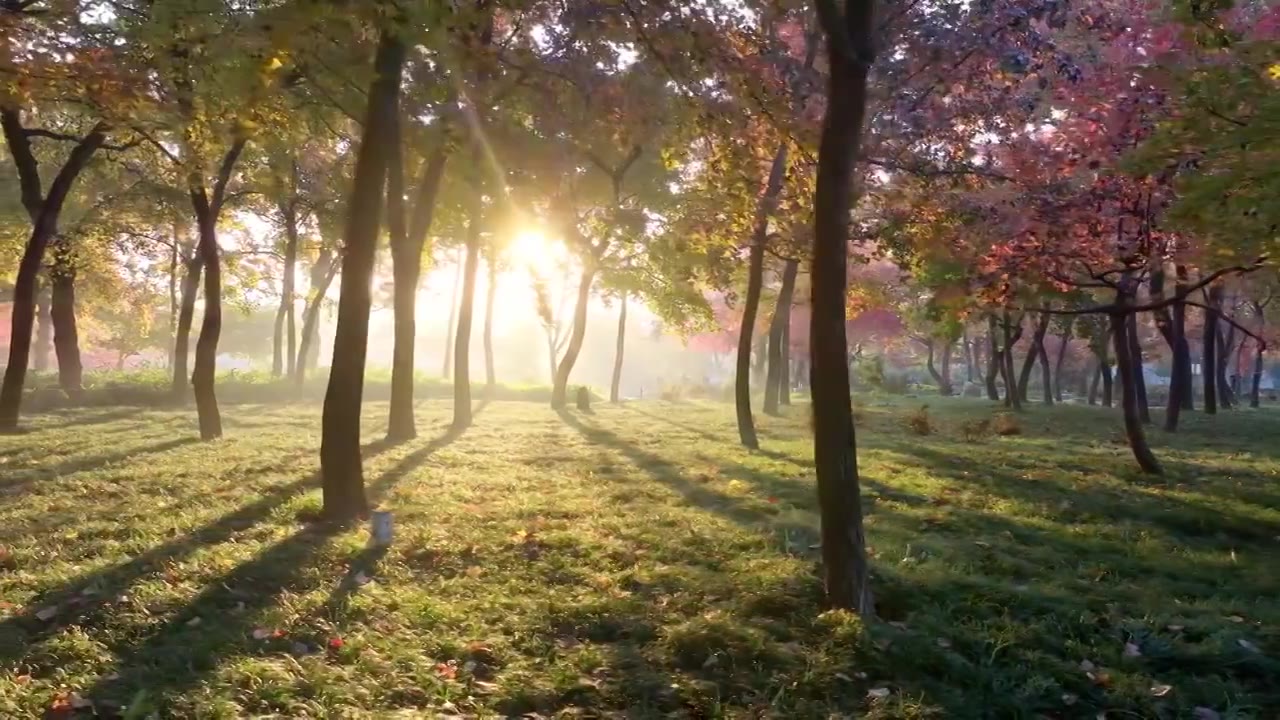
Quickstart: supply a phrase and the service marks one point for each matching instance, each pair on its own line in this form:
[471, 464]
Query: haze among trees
[500, 267]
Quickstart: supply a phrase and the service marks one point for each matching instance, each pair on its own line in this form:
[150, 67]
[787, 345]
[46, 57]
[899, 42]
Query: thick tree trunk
[944, 385]
[44, 212]
[1181, 382]
[615, 383]
[1011, 396]
[560, 390]
[308, 348]
[1139, 382]
[1255, 388]
[1226, 343]
[775, 377]
[844, 557]
[204, 370]
[66, 336]
[755, 280]
[340, 461]
[491, 290]
[1127, 369]
[182, 338]
[994, 362]
[462, 411]
[44, 329]
[1209, 351]
[453, 315]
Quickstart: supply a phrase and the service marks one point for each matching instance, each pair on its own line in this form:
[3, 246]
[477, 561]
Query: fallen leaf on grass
[1069, 698]
[1248, 645]
[22, 680]
[265, 633]
[1175, 628]
[1132, 650]
[944, 643]
[47, 613]
[878, 693]
[448, 671]
[1087, 666]
[361, 578]
[1235, 618]
[336, 643]
[1161, 690]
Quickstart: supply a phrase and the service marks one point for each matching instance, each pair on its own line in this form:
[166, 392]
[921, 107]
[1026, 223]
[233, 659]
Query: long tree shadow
[378, 489]
[75, 606]
[88, 464]
[712, 437]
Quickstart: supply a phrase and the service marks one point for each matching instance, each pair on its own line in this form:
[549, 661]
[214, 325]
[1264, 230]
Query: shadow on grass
[712, 437]
[378, 489]
[89, 464]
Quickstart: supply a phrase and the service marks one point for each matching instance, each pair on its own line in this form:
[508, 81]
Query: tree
[850, 50]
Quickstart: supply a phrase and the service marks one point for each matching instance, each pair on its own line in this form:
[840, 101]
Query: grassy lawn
[636, 562]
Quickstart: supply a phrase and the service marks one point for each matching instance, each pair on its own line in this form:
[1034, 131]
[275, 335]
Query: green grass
[636, 562]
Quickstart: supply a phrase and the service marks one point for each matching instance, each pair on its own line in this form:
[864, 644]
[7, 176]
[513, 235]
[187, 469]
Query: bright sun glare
[533, 250]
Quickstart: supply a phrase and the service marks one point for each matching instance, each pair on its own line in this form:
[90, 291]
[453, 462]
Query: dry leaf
[944, 643]
[361, 578]
[1069, 698]
[194, 621]
[1161, 690]
[878, 693]
[22, 680]
[1087, 666]
[47, 613]
[1247, 645]
[1235, 618]
[475, 571]
[1204, 713]
[1175, 628]
[1132, 650]
[265, 633]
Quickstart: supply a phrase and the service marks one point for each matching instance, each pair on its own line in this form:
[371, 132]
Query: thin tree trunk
[285, 348]
[174, 264]
[1107, 381]
[1181, 382]
[560, 390]
[775, 379]
[491, 290]
[1093, 385]
[784, 382]
[44, 328]
[311, 321]
[1209, 349]
[994, 361]
[277, 340]
[204, 370]
[1033, 354]
[615, 383]
[968, 356]
[844, 557]
[1011, 397]
[1226, 343]
[1062, 356]
[340, 461]
[944, 386]
[453, 315]
[1255, 398]
[44, 212]
[1139, 382]
[66, 336]
[1127, 369]
[182, 338]
[1046, 377]
[462, 411]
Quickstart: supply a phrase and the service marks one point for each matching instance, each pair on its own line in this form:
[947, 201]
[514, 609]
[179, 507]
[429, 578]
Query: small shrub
[672, 393]
[896, 384]
[976, 429]
[918, 422]
[1006, 424]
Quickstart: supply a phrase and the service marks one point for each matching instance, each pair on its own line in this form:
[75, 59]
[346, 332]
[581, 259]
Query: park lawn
[636, 562]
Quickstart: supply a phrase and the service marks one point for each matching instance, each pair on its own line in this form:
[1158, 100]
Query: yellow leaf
[1274, 71]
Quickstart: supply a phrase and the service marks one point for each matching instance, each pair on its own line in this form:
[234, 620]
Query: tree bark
[340, 461]
[285, 349]
[1139, 382]
[1209, 349]
[307, 348]
[784, 381]
[775, 378]
[944, 386]
[491, 290]
[182, 338]
[1046, 377]
[1226, 343]
[1127, 369]
[994, 361]
[44, 328]
[1062, 356]
[615, 383]
[462, 411]
[1255, 388]
[560, 390]
[1033, 354]
[1093, 384]
[844, 557]
[1011, 337]
[968, 356]
[44, 212]
[174, 264]
[66, 336]
[205, 368]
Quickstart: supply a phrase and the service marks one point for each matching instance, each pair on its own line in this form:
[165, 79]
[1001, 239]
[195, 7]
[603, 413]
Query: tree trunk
[340, 462]
[1181, 381]
[66, 336]
[784, 385]
[560, 390]
[462, 411]
[1046, 377]
[1033, 354]
[1226, 343]
[1011, 396]
[775, 377]
[1127, 369]
[1093, 385]
[844, 557]
[204, 370]
[491, 289]
[174, 263]
[1209, 349]
[308, 347]
[1062, 356]
[944, 386]
[1255, 388]
[968, 356]
[1107, 382]
[285, 348]
[994, 362]
[615, 383]
[408, 238]
[453, 315]
[1139, 382]
[182, 338]
[44, 328]
[44, 213]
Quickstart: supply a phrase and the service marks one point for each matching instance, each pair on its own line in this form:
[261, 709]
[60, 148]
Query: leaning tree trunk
[205, 368]
[1011, 398]
[1139, 382]
[44, 213]
[490, 294]
[968, 356]
[1033, 354]
[182, 337]
[462, 411]
[1209, 350]
[944, 385]
[311, 322]
[615, 383]
[66, 336]
[775, 377]
[844, 556]
[755, 280]
[1046, 377]
[560, 390]
[340, 462]
[1127, 369]
[1180, 378]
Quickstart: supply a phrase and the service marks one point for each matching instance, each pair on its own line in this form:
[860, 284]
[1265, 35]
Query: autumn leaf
[878, 693]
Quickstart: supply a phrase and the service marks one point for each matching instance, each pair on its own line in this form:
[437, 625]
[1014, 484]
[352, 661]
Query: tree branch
[224, 174]
[1178, 297]
[28, 169]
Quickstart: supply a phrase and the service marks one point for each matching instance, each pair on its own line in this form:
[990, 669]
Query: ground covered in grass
[636, 562]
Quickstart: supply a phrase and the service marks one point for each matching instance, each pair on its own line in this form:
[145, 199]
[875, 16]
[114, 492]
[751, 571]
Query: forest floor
[636, 562]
